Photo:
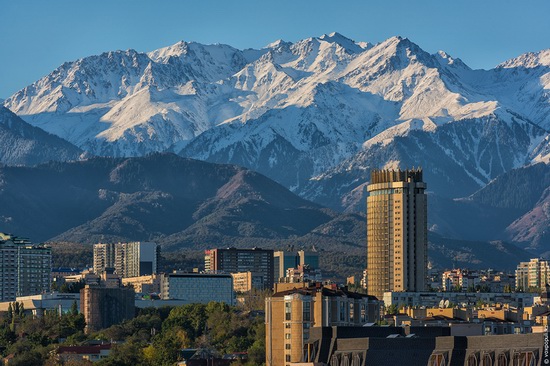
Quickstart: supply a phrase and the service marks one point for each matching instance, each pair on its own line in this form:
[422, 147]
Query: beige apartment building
[291, 313]
[397, 232]
[246, 281]
[534, 274]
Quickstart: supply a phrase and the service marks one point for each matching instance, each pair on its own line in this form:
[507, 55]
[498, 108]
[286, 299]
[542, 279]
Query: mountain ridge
[314, 115]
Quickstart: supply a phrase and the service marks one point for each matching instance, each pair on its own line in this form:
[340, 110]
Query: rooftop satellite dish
[441, 303]
[446, 303]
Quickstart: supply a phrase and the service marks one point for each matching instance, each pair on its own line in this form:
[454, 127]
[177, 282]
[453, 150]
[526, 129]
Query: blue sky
[36, 36]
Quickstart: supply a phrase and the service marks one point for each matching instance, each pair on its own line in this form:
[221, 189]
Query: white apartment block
[25, 268]
[132, 259]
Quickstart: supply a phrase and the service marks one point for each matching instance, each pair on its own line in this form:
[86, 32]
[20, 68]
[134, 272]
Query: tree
[74, 308]
[392, 309]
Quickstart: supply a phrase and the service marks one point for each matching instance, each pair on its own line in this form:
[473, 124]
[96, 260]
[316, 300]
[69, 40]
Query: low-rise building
[246, 281]
[338, 346]
[92, 353]
[144, 284]
[434, 299]
[38, 304]
[198, 287]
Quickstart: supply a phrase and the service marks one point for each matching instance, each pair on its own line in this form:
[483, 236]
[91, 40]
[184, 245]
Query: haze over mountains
[316, 116]
[188, 204]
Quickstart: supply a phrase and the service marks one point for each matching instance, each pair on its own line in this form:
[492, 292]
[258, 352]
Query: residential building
[106, 303]
[233, 260]
[534, 274]
[104, 257]
[282, 261]
[459, 279]
[285, 261]
[25, 268]
[144, 284]
[131, 259]
[434, 299]
[304, 273]
[397, 234]
[198, 287]
[419, 346]
[290, 314]
[76, 354]
[246, 281]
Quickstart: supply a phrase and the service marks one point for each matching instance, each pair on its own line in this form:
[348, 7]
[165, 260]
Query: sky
[37, 36]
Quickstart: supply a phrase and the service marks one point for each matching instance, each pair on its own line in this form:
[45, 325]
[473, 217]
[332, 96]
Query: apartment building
[25, 268]
[533, 274]
[283, 261]
[291, 313]
[131, 259]
[233, 260]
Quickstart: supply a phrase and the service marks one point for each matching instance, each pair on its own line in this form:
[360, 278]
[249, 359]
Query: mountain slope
[160, 197]
[23, 144]
[315, 115]
[512, 207]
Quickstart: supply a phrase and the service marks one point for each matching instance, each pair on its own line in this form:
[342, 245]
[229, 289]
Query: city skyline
[38, 41]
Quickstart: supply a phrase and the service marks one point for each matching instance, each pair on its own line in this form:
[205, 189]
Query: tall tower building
[397, 232]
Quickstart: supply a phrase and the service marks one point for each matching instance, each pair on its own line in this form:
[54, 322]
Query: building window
[288, 311]
[287, 357]
[342, 311]
[287, 346]
[287, 336]
[307, 311]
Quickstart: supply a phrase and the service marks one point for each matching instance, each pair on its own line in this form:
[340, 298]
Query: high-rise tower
[397, 232]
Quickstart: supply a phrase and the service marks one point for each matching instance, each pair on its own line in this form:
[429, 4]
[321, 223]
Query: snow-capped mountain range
[314, 115]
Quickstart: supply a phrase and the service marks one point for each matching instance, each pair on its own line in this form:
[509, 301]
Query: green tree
[74, 308]
[392, 309]
[125, 354]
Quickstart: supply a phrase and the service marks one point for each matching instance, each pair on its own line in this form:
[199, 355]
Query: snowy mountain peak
[403, 48]
[528, 60]
[447, 60]
[279, 46]
[343, 41]
[175, 50]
